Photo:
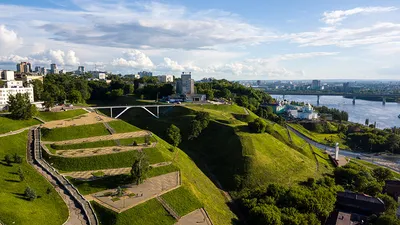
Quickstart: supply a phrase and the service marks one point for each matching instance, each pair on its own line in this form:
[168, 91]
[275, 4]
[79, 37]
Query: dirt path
[88, 175]
[100, 138]
[86, 152]
[18, 131]
[85, 119]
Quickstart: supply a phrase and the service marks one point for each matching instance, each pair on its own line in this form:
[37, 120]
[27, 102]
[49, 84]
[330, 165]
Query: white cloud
[135, 59]
[9, 40]
[335, 17]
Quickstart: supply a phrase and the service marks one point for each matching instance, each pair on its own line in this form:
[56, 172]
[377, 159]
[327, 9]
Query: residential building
[62, 72]
[101, 75]
[145, 74]
[53, 68]
[23, 67]
[13, 87]
[43, 71]
[29, 78]
[316, 85]
[359, 203]
[187, 83]
[7, 75]
[166, 78]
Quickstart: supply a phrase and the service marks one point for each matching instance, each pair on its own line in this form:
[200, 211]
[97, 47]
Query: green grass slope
[74, 132]
[122, 127]
[7, 124]
[50, 116]
[14, 209]
[182, 201]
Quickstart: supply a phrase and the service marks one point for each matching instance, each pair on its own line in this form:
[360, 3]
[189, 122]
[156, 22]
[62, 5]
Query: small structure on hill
[392, 188]
[303, 112]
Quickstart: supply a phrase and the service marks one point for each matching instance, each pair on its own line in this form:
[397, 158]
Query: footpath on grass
[80, 210]
[18, 131]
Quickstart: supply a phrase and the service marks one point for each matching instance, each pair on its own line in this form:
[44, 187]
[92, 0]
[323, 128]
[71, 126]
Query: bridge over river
[383, 96]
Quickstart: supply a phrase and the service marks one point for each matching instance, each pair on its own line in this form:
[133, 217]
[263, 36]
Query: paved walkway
[88, 175]
[149, 189]
[18, 131]
[101, 138]
[85, 119]
[199, 216]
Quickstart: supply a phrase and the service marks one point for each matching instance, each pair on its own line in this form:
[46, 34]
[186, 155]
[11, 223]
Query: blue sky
[251, 39]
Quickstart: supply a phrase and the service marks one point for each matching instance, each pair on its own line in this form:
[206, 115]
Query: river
[385, 116]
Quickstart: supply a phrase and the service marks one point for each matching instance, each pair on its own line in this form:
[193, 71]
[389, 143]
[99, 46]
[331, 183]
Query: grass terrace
[7, 124]
[14, 208]
[110, 182]
[182, 201]
[122, 127]
[50, 116]
[99, 162]
[148, 213]
[74, 132]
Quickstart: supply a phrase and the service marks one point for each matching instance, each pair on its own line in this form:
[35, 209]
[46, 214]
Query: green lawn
[122, 127]
[110, 182]
[147, 213]
[74, 132]
[115, 160]
[14, 209]
[97, 144]
[49, 116]
[182, 201]
[326, 139]
[7, 124]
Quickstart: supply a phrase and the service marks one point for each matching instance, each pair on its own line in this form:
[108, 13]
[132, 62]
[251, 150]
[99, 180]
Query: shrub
[7, 159]
[30, 194]
[258, 125]
[17, 158]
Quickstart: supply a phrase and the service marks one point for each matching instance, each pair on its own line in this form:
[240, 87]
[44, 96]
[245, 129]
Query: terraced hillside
[228, 151]
[97, 158]
[15, 208]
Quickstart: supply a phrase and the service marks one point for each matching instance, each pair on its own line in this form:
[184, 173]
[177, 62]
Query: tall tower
[337, 151]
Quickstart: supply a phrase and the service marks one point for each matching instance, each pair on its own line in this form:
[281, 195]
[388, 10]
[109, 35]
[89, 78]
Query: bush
[257, 126]
[30, 194]
[7, 159]
[135, 143]
[17, 158]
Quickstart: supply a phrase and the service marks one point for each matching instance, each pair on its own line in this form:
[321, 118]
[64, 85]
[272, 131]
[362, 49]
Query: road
[378, 160]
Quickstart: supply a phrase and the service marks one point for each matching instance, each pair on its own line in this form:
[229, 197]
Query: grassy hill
[228, 151]
[8, 124]
[14, 208]
[50, 116]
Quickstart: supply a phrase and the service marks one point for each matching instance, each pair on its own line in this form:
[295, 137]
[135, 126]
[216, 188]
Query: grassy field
[372, 166]
[74, 132]
[116, 160]
[97, 144]
[148, 213]
[110, 182]
[8, 124]
[14, 209]
[326, 139]
[50, 116]
[182, 201]
[122, 127]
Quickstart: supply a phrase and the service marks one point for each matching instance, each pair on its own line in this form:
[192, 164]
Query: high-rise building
[24, 67]
[43, 71]
[37, 69]
[166, 78]
[145, 74]
[7, 75]
[53, 68]
[12, 87]
[81, 70]
[187, 83]
[316, 84]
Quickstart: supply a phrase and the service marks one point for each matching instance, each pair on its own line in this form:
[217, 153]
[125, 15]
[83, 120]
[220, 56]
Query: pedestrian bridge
[145, 107]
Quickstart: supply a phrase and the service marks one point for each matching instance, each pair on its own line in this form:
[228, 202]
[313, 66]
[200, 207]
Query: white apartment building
[166, 78]
[12, 87]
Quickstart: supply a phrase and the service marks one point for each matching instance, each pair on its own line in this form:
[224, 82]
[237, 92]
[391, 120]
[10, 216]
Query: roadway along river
[385, 116]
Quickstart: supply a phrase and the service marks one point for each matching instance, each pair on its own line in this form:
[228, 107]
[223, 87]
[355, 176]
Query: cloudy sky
[253, 39]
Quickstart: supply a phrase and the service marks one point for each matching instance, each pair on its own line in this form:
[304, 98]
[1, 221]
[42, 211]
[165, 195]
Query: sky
[235, 40]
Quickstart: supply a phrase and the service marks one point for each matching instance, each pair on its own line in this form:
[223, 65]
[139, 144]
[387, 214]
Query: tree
[21, 174]
[37, 89]
[17, 158]
[7, 159]
[257, 126]
[174, 135]
[140, 168]
[265, 215]
[382, 174]
[75, 96]
[128, 89]
[119, 192]
[367, 122]
[21, 107]
[30, 194]
[387, 220]
[195, 129]
[115, 93]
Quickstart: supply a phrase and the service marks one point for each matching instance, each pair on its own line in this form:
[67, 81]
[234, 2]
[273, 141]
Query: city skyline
[233, 40]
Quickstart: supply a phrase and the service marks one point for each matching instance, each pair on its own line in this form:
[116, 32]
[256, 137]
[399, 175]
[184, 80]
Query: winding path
[80, 211]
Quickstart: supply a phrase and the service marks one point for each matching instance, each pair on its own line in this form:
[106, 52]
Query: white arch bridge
[126, 107]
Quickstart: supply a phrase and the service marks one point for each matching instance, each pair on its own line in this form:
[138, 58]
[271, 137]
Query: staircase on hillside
[109, 128]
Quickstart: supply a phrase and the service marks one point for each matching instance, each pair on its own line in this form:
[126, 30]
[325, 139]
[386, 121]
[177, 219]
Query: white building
[166, 78]
[305, 112]
[13, 87]
[7, 75]
[99, 75]
[187, 83]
